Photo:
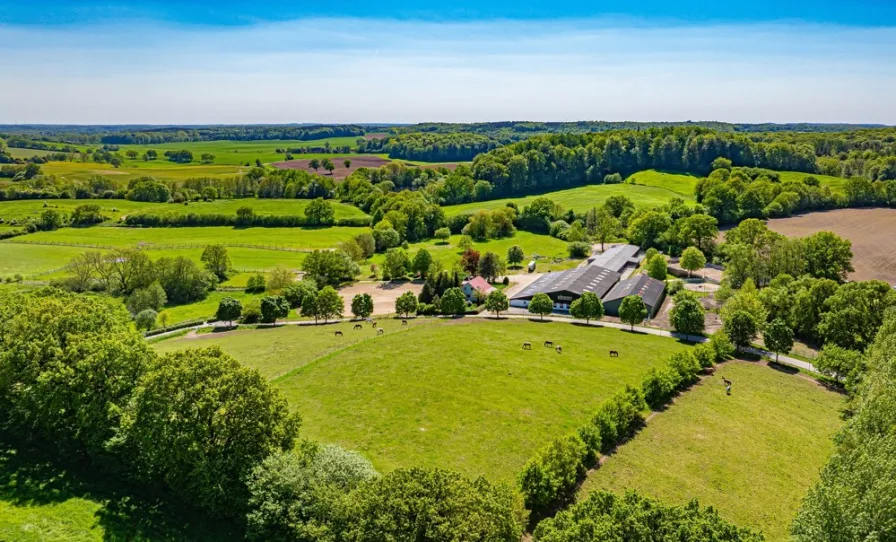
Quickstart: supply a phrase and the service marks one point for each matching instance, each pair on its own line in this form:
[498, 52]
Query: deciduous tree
[496, 302]
[406, 304]
[541, 304]
[362, 305]
[588, 306]
[632, 310]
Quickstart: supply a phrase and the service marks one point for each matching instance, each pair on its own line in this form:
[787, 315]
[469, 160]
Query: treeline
[431, 147]
[853, 500]
[147, 135]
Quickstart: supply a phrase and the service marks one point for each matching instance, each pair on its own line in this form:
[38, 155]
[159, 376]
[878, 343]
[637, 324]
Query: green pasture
[277, 351]
[112, 208]
[196, 237]
[131, 169]
[240, 152]
[29, 260]
[207, 307]
[25, 153]
[753, 455]
[837, 184]
[582, 198]
[547, 247]
[682, 185]
[459, 394]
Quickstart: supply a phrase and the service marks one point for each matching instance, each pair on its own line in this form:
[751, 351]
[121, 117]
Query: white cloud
[348, 70]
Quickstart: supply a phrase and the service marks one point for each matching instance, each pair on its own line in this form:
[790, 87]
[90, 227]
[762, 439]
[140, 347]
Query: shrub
[550, 477]
[659, 386]
[685, 366]
[256, 284]
[146, 319]
[252, 311]
[704, 354]
[579, 250]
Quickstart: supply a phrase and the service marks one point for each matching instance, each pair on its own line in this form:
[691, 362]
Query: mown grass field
[277, 351]
[132, 169]
[681, 184]
[29, 260]
[240, 152]
[837, 184]
[582, 198]
[545, 246]
[114, 209]
[41, 500]
[25, 153]
[461, 395]
[305, 238]
[752, 455]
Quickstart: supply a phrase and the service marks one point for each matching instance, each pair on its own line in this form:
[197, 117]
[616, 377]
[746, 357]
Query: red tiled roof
[480, 284]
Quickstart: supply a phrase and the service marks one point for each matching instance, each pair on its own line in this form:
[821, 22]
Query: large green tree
[362, 305]
[453, 301]
[228, 418]
[692, 260]
[496, 302]
[828, 256]
[587, 307]
[541, 305]
[741, 327]
[632, 310]
[217, 261]
[406, 304]
[229, 309]
[778, 337]
[687, 315]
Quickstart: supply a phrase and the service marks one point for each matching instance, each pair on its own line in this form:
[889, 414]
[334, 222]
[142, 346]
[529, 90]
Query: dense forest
[449, 147]
[545, 163]
[509, 131]
[148, 135]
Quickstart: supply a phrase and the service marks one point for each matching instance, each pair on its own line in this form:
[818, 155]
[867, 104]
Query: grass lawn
[681, 184]
[461, 395]
[305, 238]
[238, 152]
[207, 307]
[111, 208]
[752, 455]
[293, 207]
[549, 248]
[42, 501]
[582, 198]
[837, 184]
[25, 153]
[160, 169]
[29, 260]
[275, 352]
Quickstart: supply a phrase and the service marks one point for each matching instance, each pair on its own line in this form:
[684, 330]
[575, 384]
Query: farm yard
[871, 231]
[752, 455]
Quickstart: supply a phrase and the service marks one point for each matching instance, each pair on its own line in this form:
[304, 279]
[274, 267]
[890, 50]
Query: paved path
[782, 359]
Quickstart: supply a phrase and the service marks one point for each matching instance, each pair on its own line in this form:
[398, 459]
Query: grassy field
[274, 351]
[25, 153]
[752, 455]
[837, 184]
[115, 209]
[132, 169]
[239, 152]
[545, 246]
[582, 198]
[305, 238]
[43, 501]
[29, 260]
[681, 184]
[462, 394]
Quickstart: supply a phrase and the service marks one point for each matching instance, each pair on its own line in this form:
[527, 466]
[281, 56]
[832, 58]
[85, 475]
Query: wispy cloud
[354, 70]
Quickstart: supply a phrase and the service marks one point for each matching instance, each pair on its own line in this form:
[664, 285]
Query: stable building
[652, 291]
[566, 286]
[620, 258]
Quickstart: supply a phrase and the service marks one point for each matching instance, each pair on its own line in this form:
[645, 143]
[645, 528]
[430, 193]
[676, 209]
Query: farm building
[652, 291]
[470, 286]
[618, 258]
[566, 286]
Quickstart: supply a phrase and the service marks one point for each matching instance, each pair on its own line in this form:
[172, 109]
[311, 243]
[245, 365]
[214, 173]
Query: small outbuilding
[470, 286]
[650, 290]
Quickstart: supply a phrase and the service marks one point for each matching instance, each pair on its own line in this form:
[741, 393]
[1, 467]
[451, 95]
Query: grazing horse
[338, 334]
[726, 381]
[379, 331]
[358, 326]
[404, 322]
[614, 354]
[548, 343]
[559, 349]
[527, 345]
[373, 323]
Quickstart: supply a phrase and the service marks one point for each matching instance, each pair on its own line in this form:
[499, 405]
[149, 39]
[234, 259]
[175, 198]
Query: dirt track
[384, 294]
[872, 232]
[341, 172]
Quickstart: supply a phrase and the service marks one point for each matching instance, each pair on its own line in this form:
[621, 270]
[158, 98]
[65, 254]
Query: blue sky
[400, 61]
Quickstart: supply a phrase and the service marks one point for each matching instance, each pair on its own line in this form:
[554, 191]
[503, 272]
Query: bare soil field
[872, 232]
[341, 172]
[384, 294]
[376, 135]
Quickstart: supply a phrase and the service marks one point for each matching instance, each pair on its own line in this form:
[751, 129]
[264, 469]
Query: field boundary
[155, 246]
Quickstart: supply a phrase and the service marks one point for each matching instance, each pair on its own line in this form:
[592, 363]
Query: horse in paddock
[379, 331]
[614, 354]
[373, 323]
[404, 322]
[559, 349]
[548, 344]
[527, 345]
[726, 381]
[358, 326]
[338, 334]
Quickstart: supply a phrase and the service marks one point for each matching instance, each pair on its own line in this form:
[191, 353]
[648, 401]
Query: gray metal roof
[650, 290]
[618, 257]
[589, 278]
